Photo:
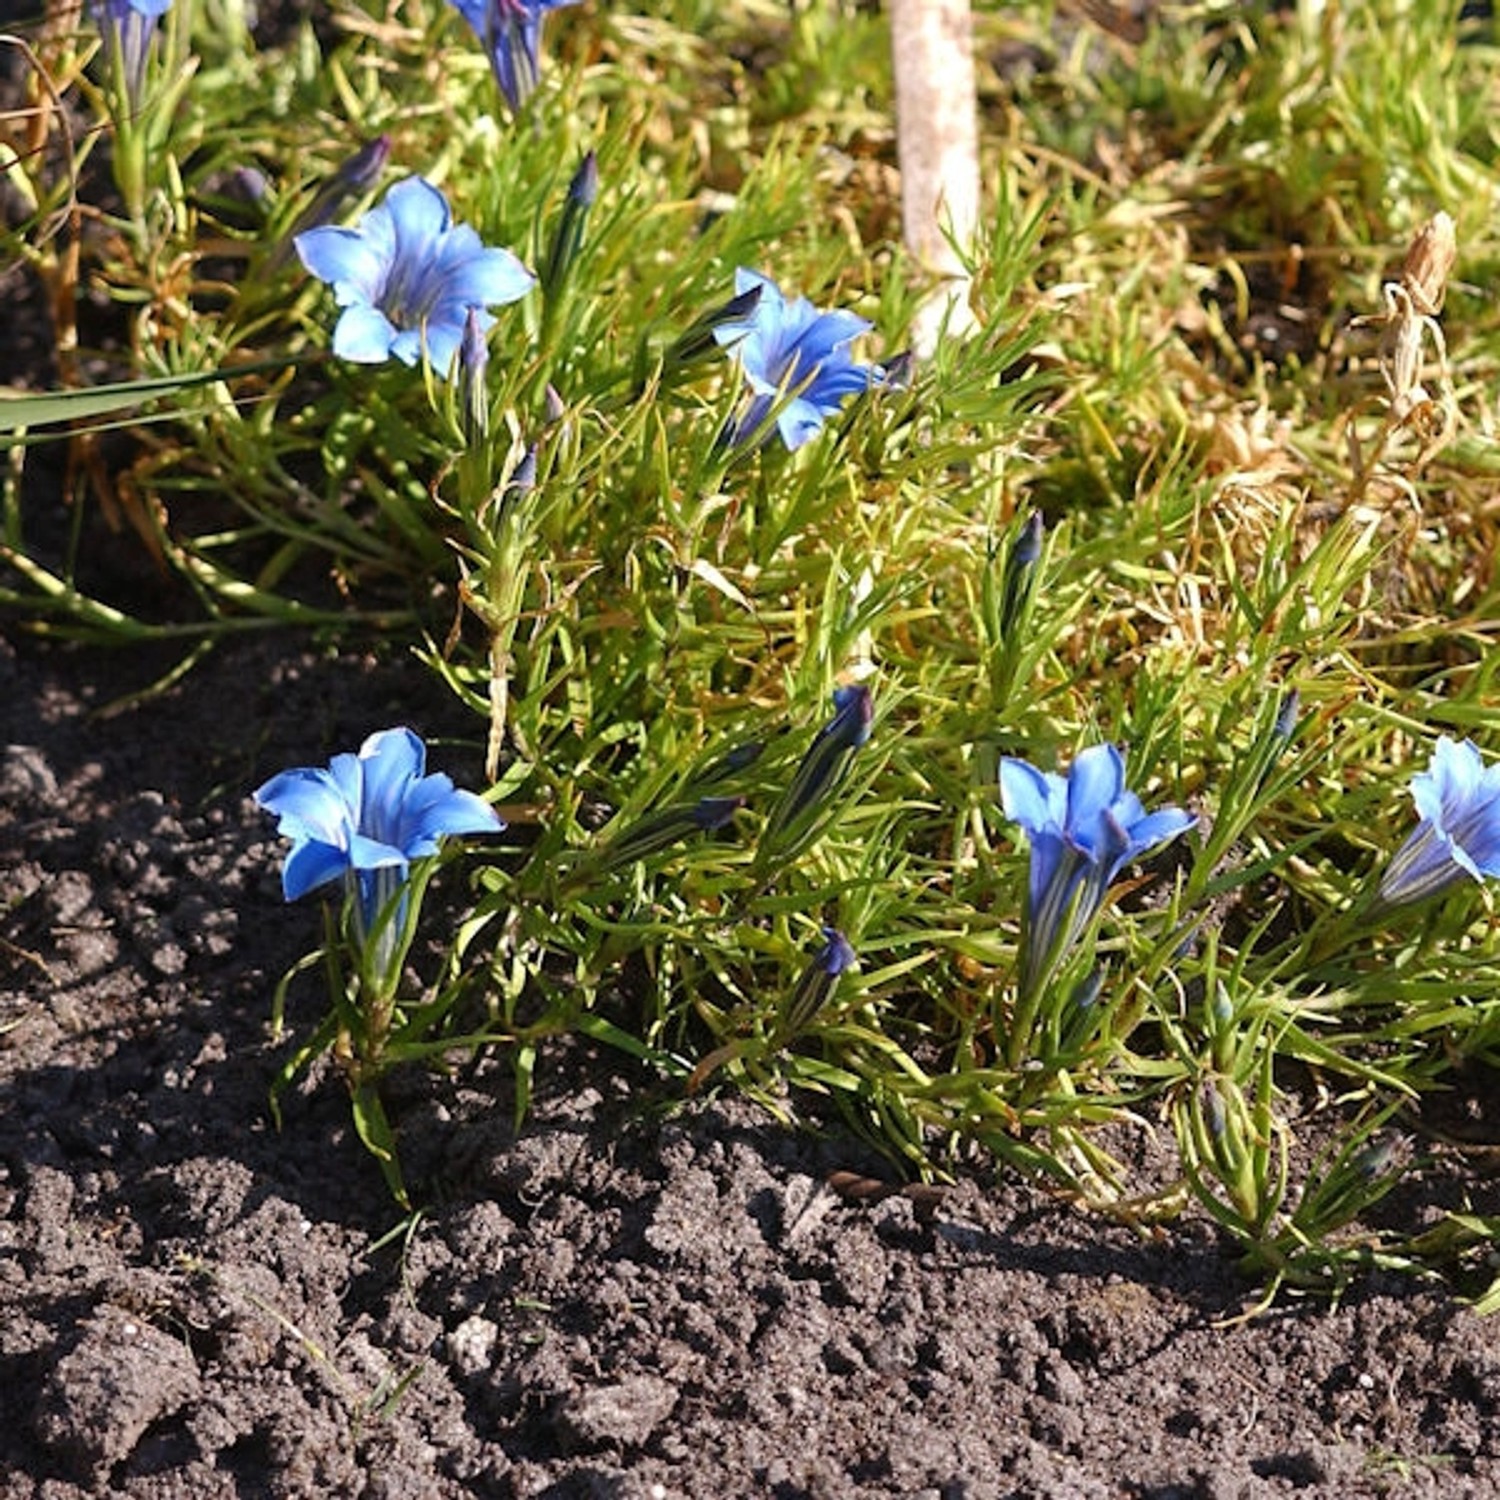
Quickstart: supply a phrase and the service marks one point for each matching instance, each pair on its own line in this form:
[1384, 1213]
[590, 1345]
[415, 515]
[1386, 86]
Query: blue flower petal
[364, 336]
[1458, 835]
[1451, 780]
[1096, 780]
[490, 278]
[420, 215]
[833, 387]
[308, 804]
[798, 423]
[1156, 829]
[1029, 796]
[343, 258]
[1477, 837]
[408, 346]
[746, 280]
[310, 865]
[438, 808]
[391, 764]
[826, 333]
[1082, 830]
[442, 342]
[366, 853]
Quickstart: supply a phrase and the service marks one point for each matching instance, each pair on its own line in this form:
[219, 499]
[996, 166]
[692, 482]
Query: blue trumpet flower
[1084, 829]
[1458, 837]
[366, 818]
[125, 31]
[407, 278]
[796, 361]
[511, 31]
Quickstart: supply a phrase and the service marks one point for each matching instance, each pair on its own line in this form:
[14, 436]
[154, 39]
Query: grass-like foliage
[1086, 729]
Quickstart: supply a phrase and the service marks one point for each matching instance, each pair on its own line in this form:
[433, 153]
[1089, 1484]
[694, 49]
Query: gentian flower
[366, 818]
[511, 31]
[125, 31]
[1084, 829]
[407, 276]
[1458, 837]
[795, 355]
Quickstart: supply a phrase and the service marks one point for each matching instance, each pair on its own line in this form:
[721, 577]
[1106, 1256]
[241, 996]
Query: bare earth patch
[629, 1299]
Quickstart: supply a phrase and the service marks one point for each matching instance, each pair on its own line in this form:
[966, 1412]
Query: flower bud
[660, 830]
[1424, 272]
[473, 396]
[699, 342]
[795, 819]
[816, 984]
[567, 241]
[348, 181]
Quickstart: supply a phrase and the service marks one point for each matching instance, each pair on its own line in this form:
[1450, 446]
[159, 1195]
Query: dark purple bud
[473, 396]
[252, 185]
[741, 758]
[795, 819]
[1085, 994]
[899, 371]
[584, 188]
[522, 478]
[1376, 1159]
[837, 954]
[1019, 581]
[362, 170]
[1028, 549]
[352, 179]
[815, 984]
[567, 240]
[1081, 1020]
[1213, 1110]
[1288, 714]
[699, 340]
[660, 830]
[850, 726]
[712, 813]
[737, 309]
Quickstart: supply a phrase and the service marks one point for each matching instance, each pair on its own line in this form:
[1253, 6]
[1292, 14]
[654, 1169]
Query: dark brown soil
[632, 1298]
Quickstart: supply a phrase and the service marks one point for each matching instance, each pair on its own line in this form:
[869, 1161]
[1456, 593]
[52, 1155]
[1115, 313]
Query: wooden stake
[937, 145]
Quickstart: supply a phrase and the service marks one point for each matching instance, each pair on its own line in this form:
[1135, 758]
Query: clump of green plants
[1008, 748]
